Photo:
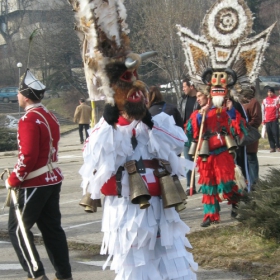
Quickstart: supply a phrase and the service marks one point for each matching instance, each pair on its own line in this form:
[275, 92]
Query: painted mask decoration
[224, 55]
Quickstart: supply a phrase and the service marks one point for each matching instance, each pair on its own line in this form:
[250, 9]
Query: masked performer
[130, 157]
[222, 58]
[220, 124]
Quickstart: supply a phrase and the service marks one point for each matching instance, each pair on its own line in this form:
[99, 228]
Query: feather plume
[33, 34]
[104, 34]
[239, 178]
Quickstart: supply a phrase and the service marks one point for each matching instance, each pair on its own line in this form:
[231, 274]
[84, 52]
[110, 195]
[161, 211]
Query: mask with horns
[110, 66]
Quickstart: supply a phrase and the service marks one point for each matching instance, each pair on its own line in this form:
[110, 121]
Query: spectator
[156, 105]
[253, 111]
[82, 116]
[270, 113]
[188, 104]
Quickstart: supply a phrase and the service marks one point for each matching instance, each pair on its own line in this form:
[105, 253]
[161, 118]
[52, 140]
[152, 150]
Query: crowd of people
[133, 155]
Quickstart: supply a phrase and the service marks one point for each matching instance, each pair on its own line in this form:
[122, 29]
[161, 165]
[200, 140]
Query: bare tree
[153, 27]
[11, 18]
[54, 49]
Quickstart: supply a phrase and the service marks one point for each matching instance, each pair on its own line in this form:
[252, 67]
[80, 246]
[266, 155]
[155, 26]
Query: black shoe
[193, 192]
[206, 223]
[82, 142]
[233, 214]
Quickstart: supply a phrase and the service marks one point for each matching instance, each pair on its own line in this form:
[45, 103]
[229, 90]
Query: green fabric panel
[210, 190]
[218, 151]
[225, 187]
[213, 190]
[189, 133]
[211, 208]
[243, 128]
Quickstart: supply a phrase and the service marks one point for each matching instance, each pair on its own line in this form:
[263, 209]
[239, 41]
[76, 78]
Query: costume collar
[35, 105]
[122, 121]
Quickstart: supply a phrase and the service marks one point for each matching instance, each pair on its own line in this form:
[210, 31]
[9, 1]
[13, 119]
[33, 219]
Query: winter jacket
[82, 114]
[254, 115]
[38, 137]
[169, 109]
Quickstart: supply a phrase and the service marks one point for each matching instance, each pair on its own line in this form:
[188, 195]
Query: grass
[237, 248]
[60, 106]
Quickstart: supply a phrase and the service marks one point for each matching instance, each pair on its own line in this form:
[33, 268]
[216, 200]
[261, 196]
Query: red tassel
[217, 169]
[213, 217]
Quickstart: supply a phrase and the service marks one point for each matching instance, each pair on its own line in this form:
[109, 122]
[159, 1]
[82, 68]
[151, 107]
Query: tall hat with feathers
[225, 46]
[30, 86]
[106, 52]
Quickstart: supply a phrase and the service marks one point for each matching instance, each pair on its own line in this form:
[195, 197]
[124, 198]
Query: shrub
[8, 139]
[260, 210]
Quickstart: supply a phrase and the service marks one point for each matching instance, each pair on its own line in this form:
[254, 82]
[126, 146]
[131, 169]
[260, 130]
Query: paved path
[84, 228]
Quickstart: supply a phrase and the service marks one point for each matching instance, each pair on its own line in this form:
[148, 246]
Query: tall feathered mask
[224, 55]
[110, 66]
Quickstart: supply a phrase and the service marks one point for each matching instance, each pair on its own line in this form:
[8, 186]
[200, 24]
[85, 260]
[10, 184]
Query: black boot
[206, 223]
[234, 213]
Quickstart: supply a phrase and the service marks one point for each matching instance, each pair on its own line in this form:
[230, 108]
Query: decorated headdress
[224, 54]
[110, 67]
[30, 86]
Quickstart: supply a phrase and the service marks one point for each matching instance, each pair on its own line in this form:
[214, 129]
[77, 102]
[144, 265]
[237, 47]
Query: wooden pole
[93, 117]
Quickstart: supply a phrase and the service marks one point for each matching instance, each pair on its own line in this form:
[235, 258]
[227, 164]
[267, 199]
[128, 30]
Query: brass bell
[231, 144]
[179, 187]
[192, 149]
[90, 205]
[182, 206]
[204, 150]
[169, 193]
[139, 193]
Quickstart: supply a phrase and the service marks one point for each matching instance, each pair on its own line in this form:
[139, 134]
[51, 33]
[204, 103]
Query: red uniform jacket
[34, 147]
[270, 108]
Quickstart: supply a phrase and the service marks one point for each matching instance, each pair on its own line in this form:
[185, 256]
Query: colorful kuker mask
[219, 81]
[224, 49]
[109, 64]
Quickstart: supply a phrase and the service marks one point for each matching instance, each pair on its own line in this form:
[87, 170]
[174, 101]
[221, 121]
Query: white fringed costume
[146, 244]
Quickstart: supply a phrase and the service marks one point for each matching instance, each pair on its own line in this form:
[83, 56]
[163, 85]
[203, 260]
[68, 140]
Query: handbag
[252, 136]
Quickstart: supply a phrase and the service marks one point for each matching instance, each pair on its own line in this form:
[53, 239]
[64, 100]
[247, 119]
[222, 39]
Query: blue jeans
[189, 172]
[253, 167]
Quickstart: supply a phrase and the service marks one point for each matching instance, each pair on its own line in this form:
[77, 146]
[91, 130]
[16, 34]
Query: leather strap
[48, 168]
[119, 180]
[152, 163]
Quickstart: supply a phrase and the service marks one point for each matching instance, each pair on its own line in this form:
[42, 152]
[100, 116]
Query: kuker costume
[221, 58]
[131, 162]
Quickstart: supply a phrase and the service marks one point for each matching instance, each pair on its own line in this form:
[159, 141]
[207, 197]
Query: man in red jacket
[37, 180]
[270, 113]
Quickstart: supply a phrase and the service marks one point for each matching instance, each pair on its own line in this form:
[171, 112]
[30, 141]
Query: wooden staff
[197, 151]
[93, 116]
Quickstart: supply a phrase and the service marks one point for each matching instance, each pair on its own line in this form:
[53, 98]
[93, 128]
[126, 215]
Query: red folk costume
[217, 174]
[36, 164]
[226, 61]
